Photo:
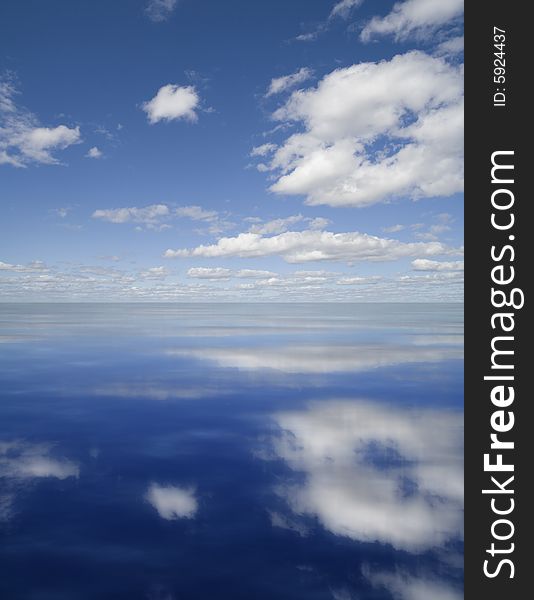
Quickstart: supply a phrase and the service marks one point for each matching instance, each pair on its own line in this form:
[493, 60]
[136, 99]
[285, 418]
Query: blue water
[165, 452]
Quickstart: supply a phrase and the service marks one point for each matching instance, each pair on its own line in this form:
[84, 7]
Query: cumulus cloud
[418, 18]
[23, 141]
[311, 245]
[160, 10]
[412, 105]
[376, 473]
[424, 264]
[94, 152]
[148, 215]
[281, 84]
[172, 102]
[172, 502]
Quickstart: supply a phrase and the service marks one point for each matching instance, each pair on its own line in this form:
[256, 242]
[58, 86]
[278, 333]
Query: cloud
[423, 264]
[311, 245]
[281, 84]
[36, 265]
[451, 47]
[393, 228]
[420, 18]
[94, 152]
[154, 273]
[160, 10]
[376, 473]
[172, 502]
[148, 215]
[358, 280]
[276, 225]
[172, 102]
[343, 8]
[373, 132]
[22, 140]
[196, 213]
[215, 273]
[263, 150]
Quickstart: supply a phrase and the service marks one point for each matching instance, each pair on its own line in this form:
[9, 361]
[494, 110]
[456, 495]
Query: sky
[177, 150]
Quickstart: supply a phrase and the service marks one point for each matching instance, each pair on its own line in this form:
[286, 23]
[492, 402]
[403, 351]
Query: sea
[299, 451]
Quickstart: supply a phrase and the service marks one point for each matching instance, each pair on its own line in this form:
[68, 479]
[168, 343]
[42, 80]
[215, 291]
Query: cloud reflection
[376, 473]
[320, 358]
[172, 502]
[21, 462]
[403, 586]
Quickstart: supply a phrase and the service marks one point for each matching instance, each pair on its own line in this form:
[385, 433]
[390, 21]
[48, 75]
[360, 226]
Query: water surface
[195, 451]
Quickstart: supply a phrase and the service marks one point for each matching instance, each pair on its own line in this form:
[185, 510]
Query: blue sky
[183, 150]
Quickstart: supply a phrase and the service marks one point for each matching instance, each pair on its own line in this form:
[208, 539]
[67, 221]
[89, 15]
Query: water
[165, 452]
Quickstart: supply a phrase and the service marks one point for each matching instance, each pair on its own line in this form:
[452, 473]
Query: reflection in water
[320, 358]
[20, 463]
[282, 452]
[172, 502]
[376, 473]
[403, 586]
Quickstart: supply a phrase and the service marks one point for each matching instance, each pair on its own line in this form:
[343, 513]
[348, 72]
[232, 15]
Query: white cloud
[263, 150]
[36, 265]
[172, 502]
[154, 273]
[94, 152]
[281, 84]
[148, 215]
[451, 47]
[22, 140]
[276, 225]
[424, 264]
[358, 280]
[221, 273]
[160, 10]
[172, 102]
[412, 103]
[343, 8]
[196, 213]
[309, 245]
[338, 447]
[393, 228]
[214, 273]
[418, 18]
[253, 273]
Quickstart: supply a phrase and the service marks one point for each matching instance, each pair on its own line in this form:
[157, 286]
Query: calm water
[168, 452]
